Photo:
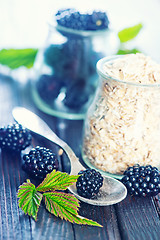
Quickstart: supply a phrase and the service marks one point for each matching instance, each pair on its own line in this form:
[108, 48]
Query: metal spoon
[112, 191]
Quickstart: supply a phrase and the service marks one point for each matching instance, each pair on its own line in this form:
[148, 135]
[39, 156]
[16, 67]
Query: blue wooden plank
[138, 218]
[72, 134]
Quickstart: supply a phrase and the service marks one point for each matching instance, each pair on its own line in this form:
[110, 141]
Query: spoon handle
[34, 123]
[75, 164]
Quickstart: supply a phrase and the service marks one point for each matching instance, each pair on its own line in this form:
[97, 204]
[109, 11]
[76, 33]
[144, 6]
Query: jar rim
[82, 33]
[102, 73]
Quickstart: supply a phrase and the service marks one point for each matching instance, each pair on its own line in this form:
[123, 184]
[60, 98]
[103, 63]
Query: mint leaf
[14, 58]
[57, 181]
[129, 33]
[29, 199]
[65, 206]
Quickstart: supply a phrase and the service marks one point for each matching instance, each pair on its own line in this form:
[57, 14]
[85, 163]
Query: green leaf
[29, 199]
[68, 201]
[57, 181]
[14, 58]
[127, 51]
[66, 206]
[129, 33]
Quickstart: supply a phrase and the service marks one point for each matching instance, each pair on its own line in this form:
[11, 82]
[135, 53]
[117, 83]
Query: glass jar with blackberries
[65, 77]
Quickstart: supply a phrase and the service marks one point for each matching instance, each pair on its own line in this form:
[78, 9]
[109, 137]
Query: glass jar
[122, 125]
[65, 75]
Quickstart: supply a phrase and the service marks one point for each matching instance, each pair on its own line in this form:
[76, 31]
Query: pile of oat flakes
[123, 125]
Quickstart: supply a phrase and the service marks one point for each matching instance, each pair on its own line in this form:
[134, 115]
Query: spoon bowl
[112, 191]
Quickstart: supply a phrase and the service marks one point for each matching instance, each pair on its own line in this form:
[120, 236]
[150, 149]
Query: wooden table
[133, 218]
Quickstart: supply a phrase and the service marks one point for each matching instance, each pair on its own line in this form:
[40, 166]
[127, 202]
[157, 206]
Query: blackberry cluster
[72, 71]
[73, 62]
[142, 180]
[71, 18]
[89, 183]
[15, 137]
[39, 162]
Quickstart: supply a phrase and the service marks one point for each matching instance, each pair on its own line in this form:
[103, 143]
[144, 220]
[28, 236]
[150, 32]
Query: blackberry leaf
[14, 58]
[29, 199]
[67, 202]
[128, 51]
[59, 203]
[56, 181]
[129, 33]
[65, 206]
[81, 220]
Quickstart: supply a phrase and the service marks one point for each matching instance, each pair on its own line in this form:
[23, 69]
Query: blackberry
[15, 137]
[39, 162]
[142, 180]
[53, 55]
[48, 87]
[89, 183]
[71, 18]
[77, 95]
[63, 58]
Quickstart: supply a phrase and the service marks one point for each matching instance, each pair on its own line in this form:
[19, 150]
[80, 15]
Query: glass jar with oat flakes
[122, 127]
